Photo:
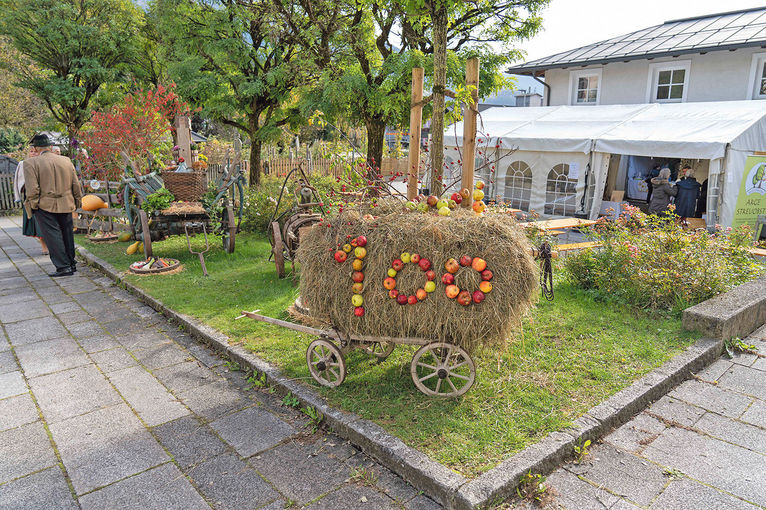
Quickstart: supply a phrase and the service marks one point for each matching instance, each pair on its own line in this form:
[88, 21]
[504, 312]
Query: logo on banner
[755, 181]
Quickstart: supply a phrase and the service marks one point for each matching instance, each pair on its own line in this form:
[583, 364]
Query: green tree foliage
[240, 61]
[77, 46]
[20, 108]
[11, 140]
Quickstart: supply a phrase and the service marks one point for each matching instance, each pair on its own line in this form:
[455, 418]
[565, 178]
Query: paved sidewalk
[104, 405]
[700, 447]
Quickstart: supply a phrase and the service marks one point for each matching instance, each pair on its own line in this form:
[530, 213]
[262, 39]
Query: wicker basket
[186, 186]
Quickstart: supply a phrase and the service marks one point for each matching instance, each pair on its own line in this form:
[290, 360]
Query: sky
[569, 24]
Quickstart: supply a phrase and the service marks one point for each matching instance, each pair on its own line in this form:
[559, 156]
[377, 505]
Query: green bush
[651, 262]
[11, 140]
[261, 201]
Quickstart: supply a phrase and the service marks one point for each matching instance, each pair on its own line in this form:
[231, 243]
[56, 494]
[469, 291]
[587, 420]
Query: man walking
[53, 193]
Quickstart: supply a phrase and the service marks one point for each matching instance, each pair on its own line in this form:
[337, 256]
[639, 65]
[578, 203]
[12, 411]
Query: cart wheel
[443, 370]
[326, 363]
[145, 233]
[380, 350]
[277, 247]
[229, 229]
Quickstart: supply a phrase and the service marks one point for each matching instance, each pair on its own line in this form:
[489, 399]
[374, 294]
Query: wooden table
[560, 223]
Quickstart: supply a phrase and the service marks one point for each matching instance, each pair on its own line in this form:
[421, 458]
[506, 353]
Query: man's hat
[40, 140]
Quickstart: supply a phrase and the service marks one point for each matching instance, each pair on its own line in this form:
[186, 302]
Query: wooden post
[183, 137]
[469, 129]
[416, 118]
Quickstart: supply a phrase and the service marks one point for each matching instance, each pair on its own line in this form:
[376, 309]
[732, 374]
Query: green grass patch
[567, 356]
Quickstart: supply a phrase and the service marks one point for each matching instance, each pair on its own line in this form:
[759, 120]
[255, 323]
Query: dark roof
[727, 30]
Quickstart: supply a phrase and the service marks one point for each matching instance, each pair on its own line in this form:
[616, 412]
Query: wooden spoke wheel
[443, 370]
[326, 363]
[146, 234]
[228, 229]
[277, 248]
[380, 350]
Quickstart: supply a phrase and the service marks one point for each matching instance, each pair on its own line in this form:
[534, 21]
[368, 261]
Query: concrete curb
[450, 489]
[738, 312]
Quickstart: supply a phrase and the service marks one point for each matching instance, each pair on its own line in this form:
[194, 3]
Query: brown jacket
[51, 184]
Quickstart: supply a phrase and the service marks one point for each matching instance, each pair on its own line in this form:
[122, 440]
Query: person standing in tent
[688, 192]
[662, 192]
[654, 172]
[28, 224]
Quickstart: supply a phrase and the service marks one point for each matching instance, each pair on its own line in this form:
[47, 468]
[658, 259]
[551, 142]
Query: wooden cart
[439, 369]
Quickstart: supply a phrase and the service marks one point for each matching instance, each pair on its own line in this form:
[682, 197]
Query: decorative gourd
[92, 203]
[124, 237]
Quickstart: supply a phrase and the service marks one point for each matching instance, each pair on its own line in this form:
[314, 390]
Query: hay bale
[326, 284]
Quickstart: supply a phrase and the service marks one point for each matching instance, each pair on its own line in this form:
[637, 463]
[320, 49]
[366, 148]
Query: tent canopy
[680, 130]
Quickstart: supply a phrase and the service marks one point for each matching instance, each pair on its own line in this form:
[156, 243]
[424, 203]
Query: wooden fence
[328, 167]
[7, 203]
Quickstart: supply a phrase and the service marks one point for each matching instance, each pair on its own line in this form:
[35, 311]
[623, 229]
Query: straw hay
[326, 285]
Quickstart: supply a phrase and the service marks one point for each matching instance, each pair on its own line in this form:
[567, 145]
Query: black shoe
[61, 273]
[73, 268]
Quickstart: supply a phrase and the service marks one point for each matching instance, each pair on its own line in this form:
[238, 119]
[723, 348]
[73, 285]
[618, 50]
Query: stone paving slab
[50, 356]
[185, 376]
[229, 483]
[45, 490]
[687, 494]
[104, 446]
[73, 392]
[252, 430]
[35, 330]
[113, 359]
[162, 355]
[712, 398]
[20, 311]
[160, 488]
[755, 414]
[101, 342]
[153, 403]
[24, 450]
[744, 380]
[214, 400]
[12, 384]
[7, 360]
[17, 411]
[353, 497]
[189, 441]
[733, 431]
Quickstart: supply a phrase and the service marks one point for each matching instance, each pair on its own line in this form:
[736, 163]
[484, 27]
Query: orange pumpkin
[92, 203]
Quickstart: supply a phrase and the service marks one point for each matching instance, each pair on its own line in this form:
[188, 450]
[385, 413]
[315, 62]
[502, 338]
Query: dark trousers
[56, 229]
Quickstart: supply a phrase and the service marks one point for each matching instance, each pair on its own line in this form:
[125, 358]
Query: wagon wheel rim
[277, 249]
[442, 369]
[380, 350]
[146, 233]
[326, 363]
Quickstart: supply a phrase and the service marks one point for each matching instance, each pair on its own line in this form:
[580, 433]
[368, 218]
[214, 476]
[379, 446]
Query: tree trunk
[376, 136]
[439, 18]
[255, 160]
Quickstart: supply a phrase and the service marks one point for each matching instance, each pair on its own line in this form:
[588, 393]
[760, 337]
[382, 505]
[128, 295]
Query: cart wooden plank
[558, 223]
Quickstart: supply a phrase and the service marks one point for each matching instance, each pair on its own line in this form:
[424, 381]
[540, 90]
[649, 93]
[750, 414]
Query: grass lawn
[568, 355]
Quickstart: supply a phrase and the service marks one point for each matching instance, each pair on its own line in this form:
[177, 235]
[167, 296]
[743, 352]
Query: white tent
[556, 160]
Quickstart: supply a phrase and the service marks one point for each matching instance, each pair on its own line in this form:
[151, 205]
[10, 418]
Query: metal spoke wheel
[442, 369]
[326, 363]
[228, 228]
[277, 248]
[380, 350]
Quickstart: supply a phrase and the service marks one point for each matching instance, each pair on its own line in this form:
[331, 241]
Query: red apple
[358, 276]
[452, 266]
[424, 264]
[452, 291]
[478, 296]
[464, 298]
[389, 283]
[457, 197]
[465, 260]
[432, 201]
[412, 299]
[430, 275]
[421, 294]
[479, 264]
[340, 256]
[401, 299]
[397, 264]
[354, 242]
[465, 193]
[486, 275]
[361, 241]
[393, 293]
[357, 288]
[414, 258]
[448, 279]
[359, 311]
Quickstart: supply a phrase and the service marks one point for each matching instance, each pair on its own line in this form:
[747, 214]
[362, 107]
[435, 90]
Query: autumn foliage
[141, 126]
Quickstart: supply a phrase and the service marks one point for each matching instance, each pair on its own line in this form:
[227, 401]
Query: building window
[668, 83]
[518, 185]
[757, 88]
[761, 90]
[560, 191]
[585, 87]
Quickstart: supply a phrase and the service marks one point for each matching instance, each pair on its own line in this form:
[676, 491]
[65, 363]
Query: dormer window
[585, 87]
[757, 86]
[668, 82]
